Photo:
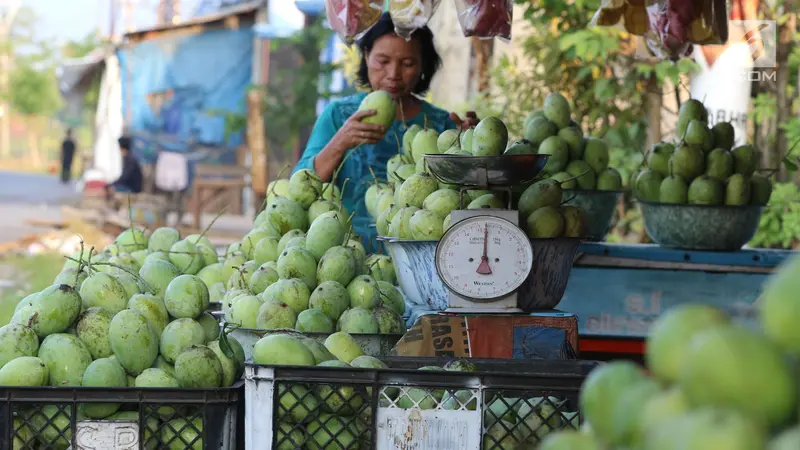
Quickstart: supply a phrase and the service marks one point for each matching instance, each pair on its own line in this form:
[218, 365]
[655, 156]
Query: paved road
[30, 196]
[34, 189]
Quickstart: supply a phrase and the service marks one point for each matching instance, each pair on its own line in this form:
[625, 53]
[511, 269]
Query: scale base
[505, 305]
[479, 310]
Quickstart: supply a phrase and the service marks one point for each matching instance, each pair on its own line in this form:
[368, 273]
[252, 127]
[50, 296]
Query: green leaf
[644, 70]
[790, 165]
[224, 344]
[584, 73]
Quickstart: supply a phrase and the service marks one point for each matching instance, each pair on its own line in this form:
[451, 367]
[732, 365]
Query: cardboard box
[545, 335]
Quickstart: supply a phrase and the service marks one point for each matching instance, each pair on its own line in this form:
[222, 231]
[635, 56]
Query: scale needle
[484, 268]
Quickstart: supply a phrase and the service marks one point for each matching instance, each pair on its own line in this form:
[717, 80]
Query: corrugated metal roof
[72, 72]
[244, 8]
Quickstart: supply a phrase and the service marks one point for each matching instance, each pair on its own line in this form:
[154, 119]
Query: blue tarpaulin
[173, 85]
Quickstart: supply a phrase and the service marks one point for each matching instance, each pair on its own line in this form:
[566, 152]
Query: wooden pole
[654, 102]
[255, 137]
[128, 7]
[257, 144]
[306, 58]
[483, 55]
[786, 35]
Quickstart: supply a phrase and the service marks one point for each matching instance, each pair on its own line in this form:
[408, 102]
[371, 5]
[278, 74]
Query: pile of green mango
[130, 316]
[703, 167]
[412, 204]
[546, 216]
[424, 209]
[576, 161]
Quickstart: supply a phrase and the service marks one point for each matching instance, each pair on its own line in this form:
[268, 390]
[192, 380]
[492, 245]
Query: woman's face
[394, 65]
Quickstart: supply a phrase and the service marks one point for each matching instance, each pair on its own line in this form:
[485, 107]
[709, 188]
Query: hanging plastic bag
[678, 24]
[410, 15]
[351, 19]
[630, 15]
[635, 18]
[485, 19]
[669, 27]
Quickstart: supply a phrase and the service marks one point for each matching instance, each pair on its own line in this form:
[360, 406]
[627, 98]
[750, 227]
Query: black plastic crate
[505, 404]
[37, 418]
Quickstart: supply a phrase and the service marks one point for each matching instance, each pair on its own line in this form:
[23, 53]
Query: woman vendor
[402, 68]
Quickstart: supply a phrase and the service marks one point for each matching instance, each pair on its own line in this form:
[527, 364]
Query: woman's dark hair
[431, 61]
[124, 142]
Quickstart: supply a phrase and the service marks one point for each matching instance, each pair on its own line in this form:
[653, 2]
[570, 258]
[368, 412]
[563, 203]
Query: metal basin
[701, 227]
[544, 288]
[485, 171]
[599, 207]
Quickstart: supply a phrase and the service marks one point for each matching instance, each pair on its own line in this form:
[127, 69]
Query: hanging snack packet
[670, 22]
[410, 15]
[485, 19]
[680, 23]
[350, 19]
[669, 27]
[629, 14]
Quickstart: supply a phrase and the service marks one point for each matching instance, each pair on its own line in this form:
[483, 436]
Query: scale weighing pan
[486, 171]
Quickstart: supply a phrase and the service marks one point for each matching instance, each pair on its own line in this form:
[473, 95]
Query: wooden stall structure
[217, 188]
[618, 290]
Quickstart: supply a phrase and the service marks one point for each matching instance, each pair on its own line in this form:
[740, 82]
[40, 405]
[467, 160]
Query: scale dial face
[484, 258]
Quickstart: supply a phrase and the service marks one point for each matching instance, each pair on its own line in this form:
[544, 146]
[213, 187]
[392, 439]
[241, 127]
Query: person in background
[131, 179]
[67, 155]
[402, 68]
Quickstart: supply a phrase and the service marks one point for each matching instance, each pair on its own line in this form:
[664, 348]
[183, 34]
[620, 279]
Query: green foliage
[621, 140]
[764, 109]
[21, 37]
[233, 122]
[33, 84]
[349, 64]
[291, 102]
[779, 135]
[667, 70]
[34, 88]
[83, 46]
[594, 67]
[780, 222]
[29, 273]
[23, 30]
[598, 70]
[629, 228]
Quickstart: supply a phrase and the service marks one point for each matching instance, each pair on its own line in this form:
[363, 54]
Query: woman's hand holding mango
[354, 132]
[470, 121]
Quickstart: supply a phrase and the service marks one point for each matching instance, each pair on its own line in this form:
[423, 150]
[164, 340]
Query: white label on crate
[107, 435]
[414, 429]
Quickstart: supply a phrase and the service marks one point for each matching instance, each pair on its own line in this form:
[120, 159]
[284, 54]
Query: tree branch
[8, 18]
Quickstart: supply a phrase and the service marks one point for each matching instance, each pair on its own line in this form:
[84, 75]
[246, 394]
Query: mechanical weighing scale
[484, 257]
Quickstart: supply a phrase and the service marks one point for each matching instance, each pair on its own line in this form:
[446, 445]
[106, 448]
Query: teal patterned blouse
[357, 165]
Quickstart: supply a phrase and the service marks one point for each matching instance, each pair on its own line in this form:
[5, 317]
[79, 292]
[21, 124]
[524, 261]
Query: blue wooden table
[618, 290]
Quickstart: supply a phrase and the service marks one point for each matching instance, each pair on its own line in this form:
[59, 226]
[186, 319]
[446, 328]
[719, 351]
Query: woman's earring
[422, 77]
